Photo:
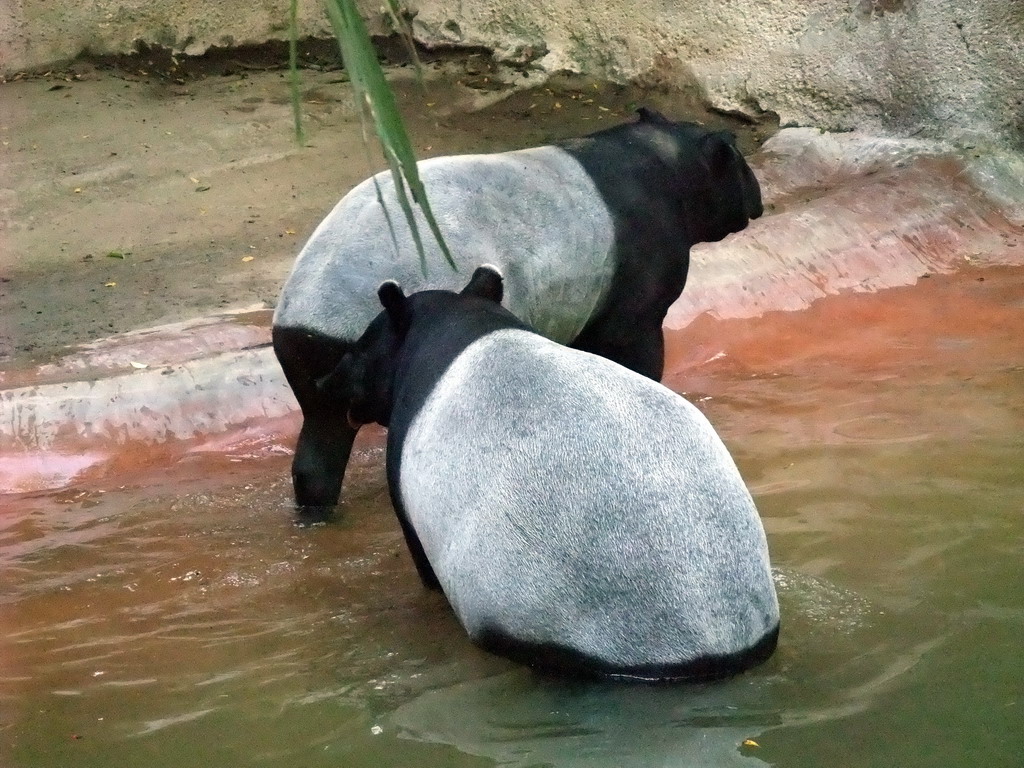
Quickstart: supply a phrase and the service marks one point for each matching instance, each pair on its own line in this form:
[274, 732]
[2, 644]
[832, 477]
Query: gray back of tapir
[577, 515]
[593, 236]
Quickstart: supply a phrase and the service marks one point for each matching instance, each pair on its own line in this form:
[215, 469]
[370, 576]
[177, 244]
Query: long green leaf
[293, 67]
[375, 97]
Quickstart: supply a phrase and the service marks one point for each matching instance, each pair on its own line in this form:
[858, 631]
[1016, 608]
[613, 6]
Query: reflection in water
[517, 719]
[183, 619]
[839, 660]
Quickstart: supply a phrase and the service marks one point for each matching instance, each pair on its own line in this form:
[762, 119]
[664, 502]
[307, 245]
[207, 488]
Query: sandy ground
[131, 195]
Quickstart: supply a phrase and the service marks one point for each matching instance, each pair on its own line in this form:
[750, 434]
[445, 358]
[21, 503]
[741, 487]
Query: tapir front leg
[321, 456]
[641, 349]
[326, 438]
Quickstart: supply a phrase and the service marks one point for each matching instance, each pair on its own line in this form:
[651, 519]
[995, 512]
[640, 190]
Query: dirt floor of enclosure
[147, 192]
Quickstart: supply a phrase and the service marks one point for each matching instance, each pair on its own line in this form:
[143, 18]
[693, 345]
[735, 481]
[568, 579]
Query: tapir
[592, 234]
[578, 516]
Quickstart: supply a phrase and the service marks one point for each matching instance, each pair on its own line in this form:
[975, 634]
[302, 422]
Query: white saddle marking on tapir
[563, 498]
[534, 213]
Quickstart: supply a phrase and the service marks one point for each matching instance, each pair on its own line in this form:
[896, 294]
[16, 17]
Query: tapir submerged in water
[593, 236]
[578, 516]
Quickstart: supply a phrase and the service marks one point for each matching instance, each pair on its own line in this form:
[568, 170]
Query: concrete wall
[39, 33]
[944, 68]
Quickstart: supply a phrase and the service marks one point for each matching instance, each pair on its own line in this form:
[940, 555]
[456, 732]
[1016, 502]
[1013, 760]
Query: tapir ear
[648, 115]
[395, 304]
[486, 283]
[719, 150]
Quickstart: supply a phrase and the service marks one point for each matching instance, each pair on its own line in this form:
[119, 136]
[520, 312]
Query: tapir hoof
[308, 516]
[315, 492]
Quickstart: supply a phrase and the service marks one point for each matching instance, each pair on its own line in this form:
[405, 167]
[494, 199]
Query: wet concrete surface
[954, 322]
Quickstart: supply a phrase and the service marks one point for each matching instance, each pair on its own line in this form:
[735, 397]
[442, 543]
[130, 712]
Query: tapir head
[365, 376]
[733, 196]
[717, 189]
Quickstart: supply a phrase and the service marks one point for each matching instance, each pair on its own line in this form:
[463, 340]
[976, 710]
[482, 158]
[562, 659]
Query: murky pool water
[182, 620]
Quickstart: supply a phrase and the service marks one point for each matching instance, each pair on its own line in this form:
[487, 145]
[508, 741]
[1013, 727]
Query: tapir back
[533, 212]
[565, 502]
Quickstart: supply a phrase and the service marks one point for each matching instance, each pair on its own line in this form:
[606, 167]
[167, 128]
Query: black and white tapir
[593, 236]
[577, 515]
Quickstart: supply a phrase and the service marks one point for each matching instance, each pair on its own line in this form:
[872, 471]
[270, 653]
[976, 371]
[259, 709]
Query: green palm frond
[376, 104]
[293, 66]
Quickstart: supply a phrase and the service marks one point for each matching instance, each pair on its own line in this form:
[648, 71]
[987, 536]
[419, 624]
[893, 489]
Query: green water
[182, 620]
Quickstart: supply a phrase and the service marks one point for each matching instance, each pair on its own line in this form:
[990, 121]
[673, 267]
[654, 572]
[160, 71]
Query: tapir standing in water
[593, 236]
[578, 516]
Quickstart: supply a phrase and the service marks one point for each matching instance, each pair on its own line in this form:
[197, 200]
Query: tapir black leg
[325, 441]
[412, 539]
[642, 349]
[419, 557]
[321, 456]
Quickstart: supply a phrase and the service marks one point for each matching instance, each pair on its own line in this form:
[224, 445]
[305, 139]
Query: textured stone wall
[942, 68]
[39, 33]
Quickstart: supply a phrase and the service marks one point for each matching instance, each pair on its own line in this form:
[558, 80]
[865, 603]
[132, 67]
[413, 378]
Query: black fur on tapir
[592, 234]
[578, 516]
